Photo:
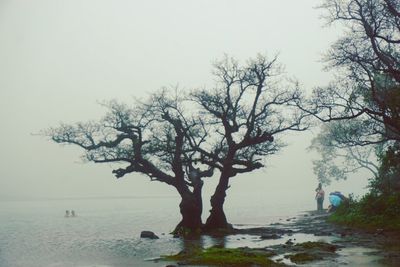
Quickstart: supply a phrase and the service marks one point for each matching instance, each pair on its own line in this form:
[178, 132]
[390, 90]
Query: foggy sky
[58, 59]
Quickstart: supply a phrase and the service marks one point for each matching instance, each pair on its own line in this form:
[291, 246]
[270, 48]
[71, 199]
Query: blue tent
[336, 198]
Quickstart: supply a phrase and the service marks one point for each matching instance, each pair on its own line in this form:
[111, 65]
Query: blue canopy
[335, 200]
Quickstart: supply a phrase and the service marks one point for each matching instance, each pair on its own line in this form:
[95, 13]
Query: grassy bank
[239, 257]
[370, 212]
[243, 257]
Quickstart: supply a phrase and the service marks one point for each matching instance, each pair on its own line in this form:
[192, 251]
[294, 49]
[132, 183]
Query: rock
[289, 242]
[148, 234]
[322, 233]
[345, 233]
[303, 257]
[379, 231]
[270, 236]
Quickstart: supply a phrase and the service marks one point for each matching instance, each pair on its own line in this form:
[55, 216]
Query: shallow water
[359, 257]
[105, 231]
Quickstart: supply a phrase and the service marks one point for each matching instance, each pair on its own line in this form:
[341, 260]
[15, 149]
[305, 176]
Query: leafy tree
[247, 110]
[150, 138]
[388, 180]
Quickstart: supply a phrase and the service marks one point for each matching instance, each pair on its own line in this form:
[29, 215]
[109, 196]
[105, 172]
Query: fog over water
[58, 59]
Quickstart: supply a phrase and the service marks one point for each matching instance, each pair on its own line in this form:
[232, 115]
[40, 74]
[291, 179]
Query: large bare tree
[231, 128]
[247, 110]
[149, 138]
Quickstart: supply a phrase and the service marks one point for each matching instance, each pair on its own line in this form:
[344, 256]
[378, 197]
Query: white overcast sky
[59, 58]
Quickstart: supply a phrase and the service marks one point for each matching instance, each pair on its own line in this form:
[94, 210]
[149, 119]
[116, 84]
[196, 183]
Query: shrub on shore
[371, 211]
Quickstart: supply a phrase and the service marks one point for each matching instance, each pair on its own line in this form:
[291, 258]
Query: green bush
[371, 211]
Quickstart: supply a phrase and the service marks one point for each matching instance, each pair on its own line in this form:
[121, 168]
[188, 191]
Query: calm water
[106, 231]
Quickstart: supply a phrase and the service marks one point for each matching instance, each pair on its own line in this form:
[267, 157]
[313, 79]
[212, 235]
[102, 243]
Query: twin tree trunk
[217, 219]
[191, 208]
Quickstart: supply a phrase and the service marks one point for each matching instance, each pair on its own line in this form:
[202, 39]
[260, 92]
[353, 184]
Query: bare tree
[247, 111]
[364, 100]
[338, 159]
[232, 128]
[368, 58]
[150, 138]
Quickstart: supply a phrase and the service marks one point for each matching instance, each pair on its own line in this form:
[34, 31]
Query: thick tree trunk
[217, 219]
[191, 208]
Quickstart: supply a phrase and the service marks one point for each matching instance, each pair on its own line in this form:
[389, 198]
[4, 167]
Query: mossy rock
[238, 257]
[311, 251]
[185, 232]
[322, 246]
[303, 257]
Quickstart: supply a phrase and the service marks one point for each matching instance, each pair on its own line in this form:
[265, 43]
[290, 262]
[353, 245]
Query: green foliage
[388, 180]
[224, 257]
[380, 208]
[371, 211]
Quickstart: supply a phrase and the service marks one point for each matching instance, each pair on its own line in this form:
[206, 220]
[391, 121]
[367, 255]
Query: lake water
[106, 230]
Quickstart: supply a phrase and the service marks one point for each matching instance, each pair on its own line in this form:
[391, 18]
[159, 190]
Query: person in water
[73, 213]
[319, 196]
[66, 213]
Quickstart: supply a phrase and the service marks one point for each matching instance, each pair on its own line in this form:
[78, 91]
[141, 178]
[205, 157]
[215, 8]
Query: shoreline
[350, 246]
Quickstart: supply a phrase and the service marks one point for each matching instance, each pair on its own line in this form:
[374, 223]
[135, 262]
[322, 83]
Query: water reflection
[202, 242]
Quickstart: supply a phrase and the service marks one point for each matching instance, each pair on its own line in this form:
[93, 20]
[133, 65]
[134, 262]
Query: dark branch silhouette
[247, 110]
[152, 139]
[368, 56]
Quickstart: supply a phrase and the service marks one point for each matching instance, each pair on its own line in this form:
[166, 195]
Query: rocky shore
[306, 240]
[354, 247]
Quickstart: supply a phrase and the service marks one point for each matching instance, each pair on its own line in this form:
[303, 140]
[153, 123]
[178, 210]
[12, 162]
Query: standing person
[319, 196]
